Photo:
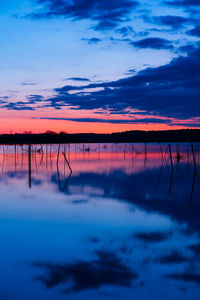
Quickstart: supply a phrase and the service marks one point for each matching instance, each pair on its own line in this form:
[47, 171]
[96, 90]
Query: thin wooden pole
[194, 176]
[172, 170]
[29, 166]
[67, 162]
[58, 168]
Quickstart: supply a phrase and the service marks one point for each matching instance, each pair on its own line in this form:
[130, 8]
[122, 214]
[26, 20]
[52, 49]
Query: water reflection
[105, 269]
[100, 221]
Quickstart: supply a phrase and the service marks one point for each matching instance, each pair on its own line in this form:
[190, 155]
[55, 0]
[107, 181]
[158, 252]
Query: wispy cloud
[183, 3]
[92, 41]
[113, 121]
[153, 43]
[106, 15]
[79, 79]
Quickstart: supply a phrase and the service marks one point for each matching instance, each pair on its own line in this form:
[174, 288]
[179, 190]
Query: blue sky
[49, 48]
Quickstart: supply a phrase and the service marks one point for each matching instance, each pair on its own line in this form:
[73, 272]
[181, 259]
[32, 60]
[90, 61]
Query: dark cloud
[2, 100]
[106, 14]
[195, 248]
[153, 237]
[175, 22]
[23, 105]
[188, 49]
[173, 258]
[113, 121]
[195, 31]
[32, 99]
[153, 43]
[112, 39]
[131, 72]
[125, 30]
[28, 83]
[79, 79]
[172, 90]
[183, 3]
[82, 201]
[94, 240]
[194, 124]
[17, 106]
[186, 276]
[92, 41]
[105, 269]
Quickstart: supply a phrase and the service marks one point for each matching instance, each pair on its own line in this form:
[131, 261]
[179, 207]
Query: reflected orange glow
[98, 158]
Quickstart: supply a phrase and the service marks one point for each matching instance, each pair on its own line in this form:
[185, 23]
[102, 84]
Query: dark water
[124, 225]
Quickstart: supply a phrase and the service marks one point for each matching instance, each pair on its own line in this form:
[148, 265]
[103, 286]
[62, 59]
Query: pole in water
[29, 166]
[172, 170]
[194, 176]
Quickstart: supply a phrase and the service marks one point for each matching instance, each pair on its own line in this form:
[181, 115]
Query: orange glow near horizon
[38, 122]
[37, 126]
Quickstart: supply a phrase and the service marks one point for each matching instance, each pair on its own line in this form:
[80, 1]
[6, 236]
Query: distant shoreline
[182, 135]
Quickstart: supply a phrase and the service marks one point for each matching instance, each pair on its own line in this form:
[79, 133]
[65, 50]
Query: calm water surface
[125, 224]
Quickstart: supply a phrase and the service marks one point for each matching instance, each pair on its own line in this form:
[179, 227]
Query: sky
[99, 66]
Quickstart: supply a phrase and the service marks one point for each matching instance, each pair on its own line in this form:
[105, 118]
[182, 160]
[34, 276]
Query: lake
[122, 223]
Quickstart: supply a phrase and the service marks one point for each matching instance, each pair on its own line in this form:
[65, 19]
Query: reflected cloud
[174, 257]
[153, 237]
[94, 240]
[81, 201]
[186, 276]
[195, 248]
[105, 269]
